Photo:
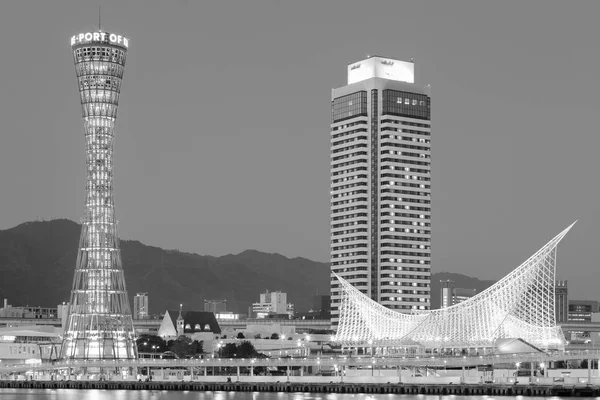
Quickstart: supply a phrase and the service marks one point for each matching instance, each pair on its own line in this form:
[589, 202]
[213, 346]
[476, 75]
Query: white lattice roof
[521, 305]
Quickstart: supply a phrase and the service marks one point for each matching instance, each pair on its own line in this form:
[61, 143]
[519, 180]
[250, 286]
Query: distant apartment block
[140, 306]
[272, 303]
[451, 295]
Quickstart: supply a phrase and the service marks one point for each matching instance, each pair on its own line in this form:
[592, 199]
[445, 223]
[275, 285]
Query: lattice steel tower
[99, 324]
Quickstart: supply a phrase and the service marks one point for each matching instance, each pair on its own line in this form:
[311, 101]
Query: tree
[181, 346]
[229, 350]
[246, 350]
[240, 335]
[275, 336]
[197, 347]
[145, 342]
[257, 336]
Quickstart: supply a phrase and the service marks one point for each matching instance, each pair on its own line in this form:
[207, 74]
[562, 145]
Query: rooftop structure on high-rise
[99, 323]
[381, 185]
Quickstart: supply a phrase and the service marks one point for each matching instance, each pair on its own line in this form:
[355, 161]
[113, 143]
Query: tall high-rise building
[140, 306]
[380, 185]
[99, 324]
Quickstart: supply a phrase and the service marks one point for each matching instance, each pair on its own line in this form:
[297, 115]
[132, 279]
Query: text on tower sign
[99, 37]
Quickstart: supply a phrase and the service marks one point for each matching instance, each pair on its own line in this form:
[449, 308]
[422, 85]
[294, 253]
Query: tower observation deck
[99, 323]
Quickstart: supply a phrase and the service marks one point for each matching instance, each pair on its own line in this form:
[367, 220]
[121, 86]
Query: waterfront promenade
[341, 362]
[395, 375]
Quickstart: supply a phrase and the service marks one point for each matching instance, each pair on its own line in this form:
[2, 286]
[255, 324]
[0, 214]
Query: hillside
[37, 260]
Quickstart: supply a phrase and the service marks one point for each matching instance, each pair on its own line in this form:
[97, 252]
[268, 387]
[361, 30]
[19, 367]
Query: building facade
[99, 323]
[381, 185]
[29, 345]
[140, 306]
[9, 311]
[451, 295]
[272, 303]
[582, 310]
[561, 301]
[196, 325]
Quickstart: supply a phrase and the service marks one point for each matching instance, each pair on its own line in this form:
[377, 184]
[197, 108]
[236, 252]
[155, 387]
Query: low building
[227, 315]
[582, 310]
[272, 303]
[9, 311]
[197, 325]
[29, 344]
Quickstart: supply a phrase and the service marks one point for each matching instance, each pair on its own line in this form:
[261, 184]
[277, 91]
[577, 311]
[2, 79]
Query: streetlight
[154, 351]
[138, 346]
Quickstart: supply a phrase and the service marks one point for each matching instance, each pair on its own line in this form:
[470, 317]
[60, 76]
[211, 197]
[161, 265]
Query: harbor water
[74, 394]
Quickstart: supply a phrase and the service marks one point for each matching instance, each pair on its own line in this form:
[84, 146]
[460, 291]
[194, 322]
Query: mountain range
[37, 262]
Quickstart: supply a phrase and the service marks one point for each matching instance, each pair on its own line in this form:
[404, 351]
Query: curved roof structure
[521, 305]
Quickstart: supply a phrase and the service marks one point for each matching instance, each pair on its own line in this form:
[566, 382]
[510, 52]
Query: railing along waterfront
[339, 361]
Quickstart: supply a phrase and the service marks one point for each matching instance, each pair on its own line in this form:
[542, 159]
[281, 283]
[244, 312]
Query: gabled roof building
[188, 323]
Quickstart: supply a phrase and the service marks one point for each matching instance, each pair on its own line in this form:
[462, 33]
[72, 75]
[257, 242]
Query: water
[95, 394]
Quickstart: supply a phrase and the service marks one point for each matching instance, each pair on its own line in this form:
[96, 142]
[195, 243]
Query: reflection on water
[95, 394]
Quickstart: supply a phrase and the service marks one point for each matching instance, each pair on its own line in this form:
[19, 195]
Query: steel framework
[99, 323]
[521, 305]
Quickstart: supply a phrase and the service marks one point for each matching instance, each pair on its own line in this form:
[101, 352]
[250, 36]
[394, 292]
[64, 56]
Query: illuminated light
[379, 67]
[99, 37]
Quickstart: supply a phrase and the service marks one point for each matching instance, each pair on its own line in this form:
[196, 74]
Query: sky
[223, 128]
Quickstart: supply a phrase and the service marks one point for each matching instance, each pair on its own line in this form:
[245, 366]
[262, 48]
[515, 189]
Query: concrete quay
[331, 387]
